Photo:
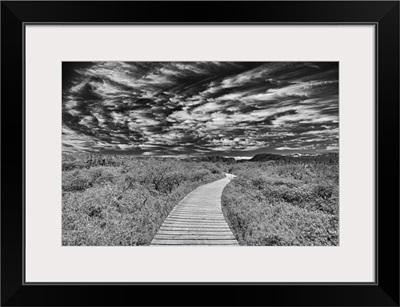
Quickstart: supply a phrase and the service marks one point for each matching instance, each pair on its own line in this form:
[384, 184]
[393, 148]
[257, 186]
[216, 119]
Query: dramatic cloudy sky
[200, 108]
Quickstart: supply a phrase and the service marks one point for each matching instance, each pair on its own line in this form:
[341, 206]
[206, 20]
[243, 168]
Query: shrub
[271, 204]
[323, 190]
[125, 201]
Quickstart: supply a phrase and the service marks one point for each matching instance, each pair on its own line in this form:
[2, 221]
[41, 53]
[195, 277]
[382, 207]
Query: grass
[283, 204]
[121, 200]
[118, 200]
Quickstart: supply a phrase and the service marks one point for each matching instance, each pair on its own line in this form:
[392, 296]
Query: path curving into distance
[198, 219]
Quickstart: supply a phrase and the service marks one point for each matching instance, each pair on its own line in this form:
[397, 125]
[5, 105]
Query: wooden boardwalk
[197, 219]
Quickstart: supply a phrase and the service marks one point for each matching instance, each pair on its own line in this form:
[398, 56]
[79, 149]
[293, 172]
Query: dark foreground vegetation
[283, 203]
[123, 200]
[120, 200]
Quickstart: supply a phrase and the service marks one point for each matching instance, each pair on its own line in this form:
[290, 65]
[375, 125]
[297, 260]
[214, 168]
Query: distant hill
[267, 157]
[322, 158]
[218, 159]
[211, 159]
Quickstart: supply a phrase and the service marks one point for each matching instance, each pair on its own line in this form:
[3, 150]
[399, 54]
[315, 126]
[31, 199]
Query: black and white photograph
[200, 153]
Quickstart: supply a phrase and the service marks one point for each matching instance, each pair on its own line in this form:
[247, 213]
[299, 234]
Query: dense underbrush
[283, 204]
[123, 200]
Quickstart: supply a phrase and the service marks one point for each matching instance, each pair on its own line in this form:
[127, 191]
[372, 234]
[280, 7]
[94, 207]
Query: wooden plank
[169, 223]
[216, 215]
[190, 214]
[175, 220]
[189, 225]
[193, 225]
[186, 208]
[196, 219]
[194, 230]
[196, 216]
[196, 234]
[172, 218]
[215, 225]
[203, 195]
[194, 237]
[198, 228]
[199, 220]
[195, 222]
[211, 211]
[199, 232]
[190, 245]
[198, 206]
[193, 242]
[169, 226]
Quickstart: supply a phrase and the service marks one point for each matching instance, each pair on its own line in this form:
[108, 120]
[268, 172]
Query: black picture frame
[383, 14]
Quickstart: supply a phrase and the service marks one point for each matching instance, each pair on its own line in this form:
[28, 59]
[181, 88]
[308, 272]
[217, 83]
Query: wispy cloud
[178, 108]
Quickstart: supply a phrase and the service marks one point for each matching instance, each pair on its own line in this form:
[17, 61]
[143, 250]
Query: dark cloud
[177, 108]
